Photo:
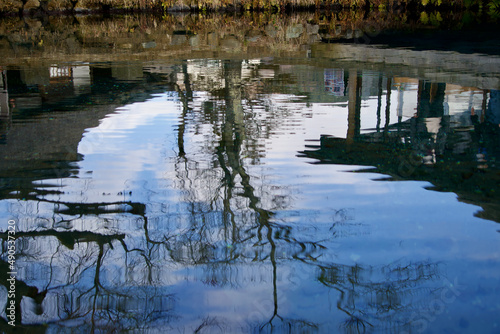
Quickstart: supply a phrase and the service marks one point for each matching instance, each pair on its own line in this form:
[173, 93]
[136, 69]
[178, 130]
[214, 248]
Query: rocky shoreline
[149, 35]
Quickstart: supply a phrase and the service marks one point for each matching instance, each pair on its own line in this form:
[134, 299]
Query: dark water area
[188, 175]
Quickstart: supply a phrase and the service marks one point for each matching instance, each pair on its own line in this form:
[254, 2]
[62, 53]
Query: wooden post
[354, 106]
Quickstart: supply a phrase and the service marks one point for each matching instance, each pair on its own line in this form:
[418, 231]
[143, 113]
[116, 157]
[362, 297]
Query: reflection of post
[420, 91]
[430, 99]
[354, 106]
[234, 109]
[388, 105]
[483, 106]
[4, 97]
[433, 92]
[379, 101]
[4, 107]
[186, 98]
[399, 108]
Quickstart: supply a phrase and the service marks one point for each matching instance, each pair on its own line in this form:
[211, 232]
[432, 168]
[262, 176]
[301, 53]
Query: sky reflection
[226, 207]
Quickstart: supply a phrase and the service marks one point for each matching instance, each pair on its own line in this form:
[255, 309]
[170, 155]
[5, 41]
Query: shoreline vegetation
[70, 7]
[93, 37]
[151, 36]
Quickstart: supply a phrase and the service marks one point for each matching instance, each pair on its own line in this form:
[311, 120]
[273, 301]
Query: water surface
[342, 188]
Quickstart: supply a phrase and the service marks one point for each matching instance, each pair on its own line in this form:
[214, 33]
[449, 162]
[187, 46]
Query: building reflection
[227, 218]
[451, 143]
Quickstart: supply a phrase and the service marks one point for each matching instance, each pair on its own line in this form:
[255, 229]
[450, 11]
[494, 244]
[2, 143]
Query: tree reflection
[81, 285]
[380, 296]
[367, 303]
[109, 266]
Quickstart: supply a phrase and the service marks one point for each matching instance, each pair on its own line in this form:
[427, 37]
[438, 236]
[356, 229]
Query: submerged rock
[149, 45]
[32, 4]
[294, 31]
[312, 29]
[194, 41]
[231, 43]
[253, 36]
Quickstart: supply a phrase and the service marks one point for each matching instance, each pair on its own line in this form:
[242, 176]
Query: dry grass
[54, 6]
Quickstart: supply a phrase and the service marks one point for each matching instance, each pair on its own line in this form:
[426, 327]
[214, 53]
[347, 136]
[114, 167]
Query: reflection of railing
[60, 74]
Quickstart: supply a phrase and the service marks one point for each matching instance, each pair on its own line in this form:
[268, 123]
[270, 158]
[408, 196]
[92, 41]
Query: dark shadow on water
[464, 160]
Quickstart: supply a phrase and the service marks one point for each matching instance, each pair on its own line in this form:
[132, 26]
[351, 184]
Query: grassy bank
[254, 34]
[30, 7]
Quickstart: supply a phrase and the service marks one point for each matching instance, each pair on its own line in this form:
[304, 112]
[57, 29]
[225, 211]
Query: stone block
[32, 4]
[294, 31]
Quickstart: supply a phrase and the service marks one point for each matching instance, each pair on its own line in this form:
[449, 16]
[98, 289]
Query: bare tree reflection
[115, 271]
[75, 287]
[388, 294]
[221, 231]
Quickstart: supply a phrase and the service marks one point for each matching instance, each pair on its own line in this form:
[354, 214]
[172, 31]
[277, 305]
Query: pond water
[332, 187]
